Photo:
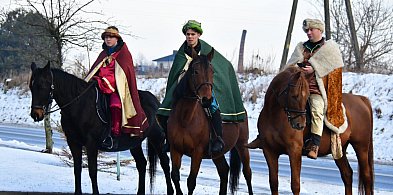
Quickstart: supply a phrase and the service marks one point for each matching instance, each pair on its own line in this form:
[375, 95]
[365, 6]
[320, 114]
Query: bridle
[196, 88]
[288, 110]
[47, 110]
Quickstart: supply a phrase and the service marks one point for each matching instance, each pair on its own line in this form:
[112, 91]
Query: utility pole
[355, 44]
[289, 35]
[327, 20]
[240, 67]
[48, 134]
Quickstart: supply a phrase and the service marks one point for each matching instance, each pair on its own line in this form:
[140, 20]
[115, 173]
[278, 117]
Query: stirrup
[217, 145]
[107, 145]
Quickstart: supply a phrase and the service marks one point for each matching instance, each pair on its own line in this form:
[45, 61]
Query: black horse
[83, 126]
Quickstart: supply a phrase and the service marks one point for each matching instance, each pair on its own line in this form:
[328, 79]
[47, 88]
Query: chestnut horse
[283, 118]
[84, 128]
[189, 130]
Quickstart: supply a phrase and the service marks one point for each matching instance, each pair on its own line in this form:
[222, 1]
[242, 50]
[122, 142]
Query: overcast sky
[158, 23]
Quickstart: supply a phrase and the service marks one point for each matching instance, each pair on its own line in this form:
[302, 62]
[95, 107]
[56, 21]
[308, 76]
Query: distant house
[166, 62]
[145, 69]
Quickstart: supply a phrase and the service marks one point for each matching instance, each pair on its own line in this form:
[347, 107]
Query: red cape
[124, 59]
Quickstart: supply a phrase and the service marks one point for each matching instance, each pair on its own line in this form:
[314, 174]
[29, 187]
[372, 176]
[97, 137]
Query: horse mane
[182, 89]
[66, 80]
[300, 82]
[280, 81]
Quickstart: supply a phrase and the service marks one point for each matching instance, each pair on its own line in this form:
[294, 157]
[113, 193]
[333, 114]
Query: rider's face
[110, 41]
[192, 37]
[314, 34]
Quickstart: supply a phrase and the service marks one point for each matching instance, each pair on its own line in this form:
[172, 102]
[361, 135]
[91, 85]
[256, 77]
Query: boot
[218, 144]
[313, 153]
[163, 122]
[313, 146]
[116, 121]
[111, 141]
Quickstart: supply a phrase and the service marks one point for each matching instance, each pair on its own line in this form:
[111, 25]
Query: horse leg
[364, 153]
[223, 170]
[155, 142]
[176, 163]
[141, 163]
[295, 160]
[345, 171]
[164, 162]
[245, 158]
[272, 163]
[76, 151]
[92, 153]
[196, 160]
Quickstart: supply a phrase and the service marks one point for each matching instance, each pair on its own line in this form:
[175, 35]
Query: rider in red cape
[114, 72]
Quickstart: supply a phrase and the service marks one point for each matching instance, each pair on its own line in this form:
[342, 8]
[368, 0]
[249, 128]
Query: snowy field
[23, 170]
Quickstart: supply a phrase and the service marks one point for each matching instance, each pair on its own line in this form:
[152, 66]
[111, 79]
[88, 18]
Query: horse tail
[234, 170]
[361, 185]
[152, 156]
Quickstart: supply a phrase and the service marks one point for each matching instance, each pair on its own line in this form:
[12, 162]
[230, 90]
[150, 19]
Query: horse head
[293, 98]
[41, 87]
[197, 82]
[201, 81]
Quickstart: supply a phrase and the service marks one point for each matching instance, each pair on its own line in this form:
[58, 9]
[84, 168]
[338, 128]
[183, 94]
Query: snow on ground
[32, 171]
[22, 170]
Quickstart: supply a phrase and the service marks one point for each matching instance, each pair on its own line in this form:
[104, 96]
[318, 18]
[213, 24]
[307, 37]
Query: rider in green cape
[227, 103]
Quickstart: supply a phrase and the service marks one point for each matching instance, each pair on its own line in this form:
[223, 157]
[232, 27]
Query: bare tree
[67, 23]
[374, 28]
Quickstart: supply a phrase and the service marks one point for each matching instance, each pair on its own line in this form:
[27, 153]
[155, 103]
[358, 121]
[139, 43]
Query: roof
[167, 58]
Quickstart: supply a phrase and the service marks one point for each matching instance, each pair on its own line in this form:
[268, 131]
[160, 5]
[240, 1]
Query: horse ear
[210, 55]
[194, 54]
[33, 66]
[47, 67]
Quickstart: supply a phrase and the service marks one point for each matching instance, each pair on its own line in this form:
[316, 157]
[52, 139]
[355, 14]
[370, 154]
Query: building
[165, 63]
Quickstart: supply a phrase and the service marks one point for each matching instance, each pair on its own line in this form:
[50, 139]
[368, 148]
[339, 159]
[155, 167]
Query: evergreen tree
[23, 41]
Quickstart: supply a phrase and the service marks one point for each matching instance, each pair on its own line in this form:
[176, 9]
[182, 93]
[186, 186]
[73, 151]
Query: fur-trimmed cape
[327, 63]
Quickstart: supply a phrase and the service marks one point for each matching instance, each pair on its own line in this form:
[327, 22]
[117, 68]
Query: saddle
[106, 141]
[104, 113]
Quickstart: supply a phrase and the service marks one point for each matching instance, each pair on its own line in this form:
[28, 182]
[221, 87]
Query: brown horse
[285, 100]
[189, 129]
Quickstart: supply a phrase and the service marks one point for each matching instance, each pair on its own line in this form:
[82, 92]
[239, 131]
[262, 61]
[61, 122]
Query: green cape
[225, 86]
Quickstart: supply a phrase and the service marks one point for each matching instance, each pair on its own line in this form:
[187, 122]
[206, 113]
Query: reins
[287, 110]
[50, 98]
[70, 102]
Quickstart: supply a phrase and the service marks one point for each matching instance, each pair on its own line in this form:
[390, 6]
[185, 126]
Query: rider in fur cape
[327, 63]
[322, 63]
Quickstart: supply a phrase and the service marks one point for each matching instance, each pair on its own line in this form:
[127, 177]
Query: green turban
[194, 25]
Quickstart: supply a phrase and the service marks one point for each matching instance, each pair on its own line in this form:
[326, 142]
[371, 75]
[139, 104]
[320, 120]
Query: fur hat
[111, 31]
[194, 25]
[313, 23]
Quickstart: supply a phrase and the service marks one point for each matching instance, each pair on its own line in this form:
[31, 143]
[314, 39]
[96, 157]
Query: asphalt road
[323, 169]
